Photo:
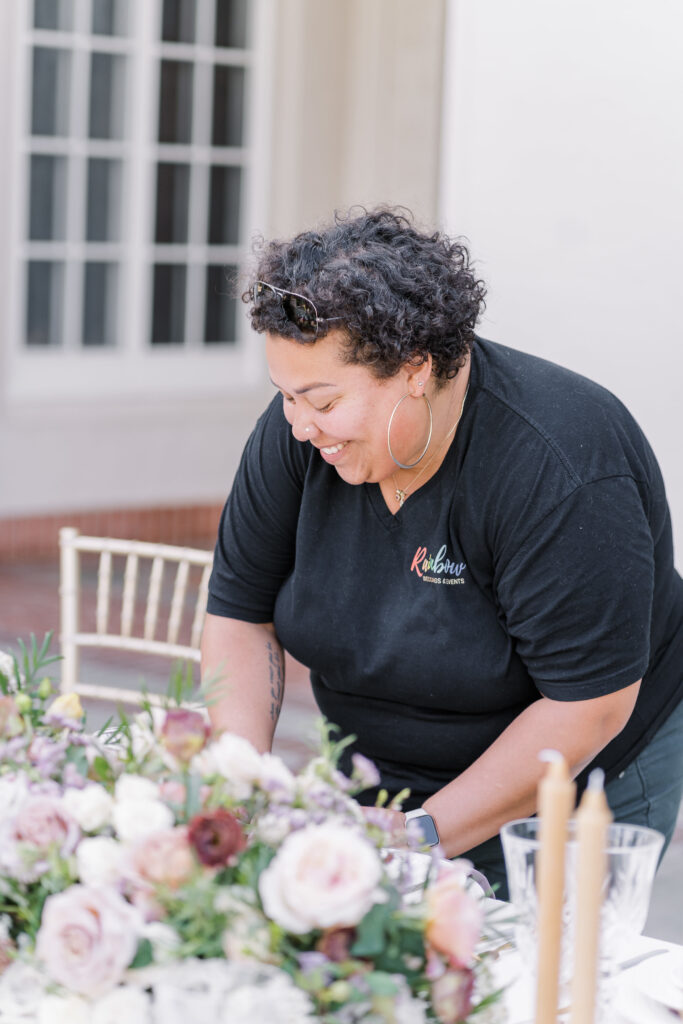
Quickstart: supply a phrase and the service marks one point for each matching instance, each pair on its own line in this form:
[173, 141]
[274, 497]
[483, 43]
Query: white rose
[406, 1009]
[190, 990]
[21, 990]
[323, 876]
[248, 938]
[233, 758]
[271, 828]
[136, 787]
[276, 777]
[276, 1000]
[7, 669]
[123, 1004]
[164, 940]
[91, 806]
[134, 820]
[13, 792]
[64, 1010]
[100, 860]
[142, 740]
[145, 731]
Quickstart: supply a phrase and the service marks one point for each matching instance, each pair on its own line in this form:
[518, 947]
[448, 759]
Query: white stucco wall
[563, 164]
[353, 104]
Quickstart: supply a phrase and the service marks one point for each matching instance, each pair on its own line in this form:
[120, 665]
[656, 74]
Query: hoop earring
[409, 465]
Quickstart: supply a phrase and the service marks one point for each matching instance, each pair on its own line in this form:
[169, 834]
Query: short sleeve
[577, 594]
[257, 534]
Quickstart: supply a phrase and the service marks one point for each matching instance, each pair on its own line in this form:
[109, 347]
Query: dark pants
[647, 793]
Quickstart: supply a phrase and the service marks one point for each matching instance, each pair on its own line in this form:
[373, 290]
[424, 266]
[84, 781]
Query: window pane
[50, 98]
[107, 86]
[231, 23]
[110, 17]
[178, 21]
[228, 102]
[48, 198]
[103, 219]
[175, 101]
[224, 206]
[168, 316]
[173, 199]
[44, 303]
[53, 14]
[99, 304]
[221, 305]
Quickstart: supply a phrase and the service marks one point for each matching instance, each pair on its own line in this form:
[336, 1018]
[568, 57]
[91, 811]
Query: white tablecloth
[632, 1003]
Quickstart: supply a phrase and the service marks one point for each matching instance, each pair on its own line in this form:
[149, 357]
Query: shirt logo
[437, 569]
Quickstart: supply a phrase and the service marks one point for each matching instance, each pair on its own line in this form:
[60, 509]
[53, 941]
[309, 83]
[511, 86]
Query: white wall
[350, 105]
[562, 162]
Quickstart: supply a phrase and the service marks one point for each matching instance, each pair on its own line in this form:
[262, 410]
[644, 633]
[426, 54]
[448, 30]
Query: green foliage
[331, 749]
[355, 973]
[252, 864]
[181, 683]
[27, 682]
[145, 954]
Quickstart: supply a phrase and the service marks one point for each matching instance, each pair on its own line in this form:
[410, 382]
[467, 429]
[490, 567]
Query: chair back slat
[69, 603]
[177, 601]
[130, 579]
[153, 594]
[200, 607]
[130, 560]
[103, 591]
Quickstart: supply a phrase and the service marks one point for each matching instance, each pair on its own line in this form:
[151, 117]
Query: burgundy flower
[216, 837]
[184, 733]
[335, 943]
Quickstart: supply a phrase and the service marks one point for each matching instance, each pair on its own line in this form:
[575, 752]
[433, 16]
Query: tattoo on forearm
[277, 679]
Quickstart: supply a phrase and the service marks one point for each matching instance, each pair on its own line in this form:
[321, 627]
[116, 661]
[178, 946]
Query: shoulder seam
[562, 458]
[579, 486]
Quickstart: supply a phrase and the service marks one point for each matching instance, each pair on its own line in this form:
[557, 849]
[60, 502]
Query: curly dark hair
[399, 294]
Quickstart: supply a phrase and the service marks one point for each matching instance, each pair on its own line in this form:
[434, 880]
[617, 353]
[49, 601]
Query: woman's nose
[303, 428]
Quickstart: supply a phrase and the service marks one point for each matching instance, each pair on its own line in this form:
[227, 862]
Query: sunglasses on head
[299, 310]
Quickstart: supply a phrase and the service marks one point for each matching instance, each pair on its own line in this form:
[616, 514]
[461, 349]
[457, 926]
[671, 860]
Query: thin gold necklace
[403, 492]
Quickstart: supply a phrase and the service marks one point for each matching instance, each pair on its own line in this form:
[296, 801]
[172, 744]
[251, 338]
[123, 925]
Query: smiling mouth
[333, 449]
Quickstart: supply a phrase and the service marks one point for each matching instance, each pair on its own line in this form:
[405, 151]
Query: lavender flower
[365, 772]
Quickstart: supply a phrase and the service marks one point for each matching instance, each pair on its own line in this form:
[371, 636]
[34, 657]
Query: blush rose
[164, 858]
[323, 876]
[43, 822]
[454, 919]
[87, 938]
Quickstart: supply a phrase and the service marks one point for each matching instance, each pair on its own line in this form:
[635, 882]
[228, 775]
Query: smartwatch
[424, 824]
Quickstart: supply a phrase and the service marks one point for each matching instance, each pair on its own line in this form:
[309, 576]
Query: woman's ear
[418, 374]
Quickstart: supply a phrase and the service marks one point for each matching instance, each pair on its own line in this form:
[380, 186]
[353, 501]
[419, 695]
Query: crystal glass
[632, 856]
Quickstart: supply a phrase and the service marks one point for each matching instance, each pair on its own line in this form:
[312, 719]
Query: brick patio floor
[29, 602]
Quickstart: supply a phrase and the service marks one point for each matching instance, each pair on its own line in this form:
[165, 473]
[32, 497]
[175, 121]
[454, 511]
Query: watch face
[424, 824]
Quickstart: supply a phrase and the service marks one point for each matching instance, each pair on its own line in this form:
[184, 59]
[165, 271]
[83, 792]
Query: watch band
[426, 825]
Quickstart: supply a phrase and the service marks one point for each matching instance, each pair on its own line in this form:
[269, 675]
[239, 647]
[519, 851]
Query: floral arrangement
[155, 873]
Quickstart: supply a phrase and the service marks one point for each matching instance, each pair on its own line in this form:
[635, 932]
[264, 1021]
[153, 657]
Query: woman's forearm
[501, 784]
[243, 666]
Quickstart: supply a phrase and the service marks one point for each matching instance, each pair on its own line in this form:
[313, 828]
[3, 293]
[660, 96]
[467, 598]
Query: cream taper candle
[556, 795]
[592, 821]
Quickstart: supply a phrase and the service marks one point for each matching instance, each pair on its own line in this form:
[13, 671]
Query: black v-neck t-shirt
[537, 561]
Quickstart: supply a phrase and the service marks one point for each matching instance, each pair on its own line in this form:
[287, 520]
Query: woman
[468, 546]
